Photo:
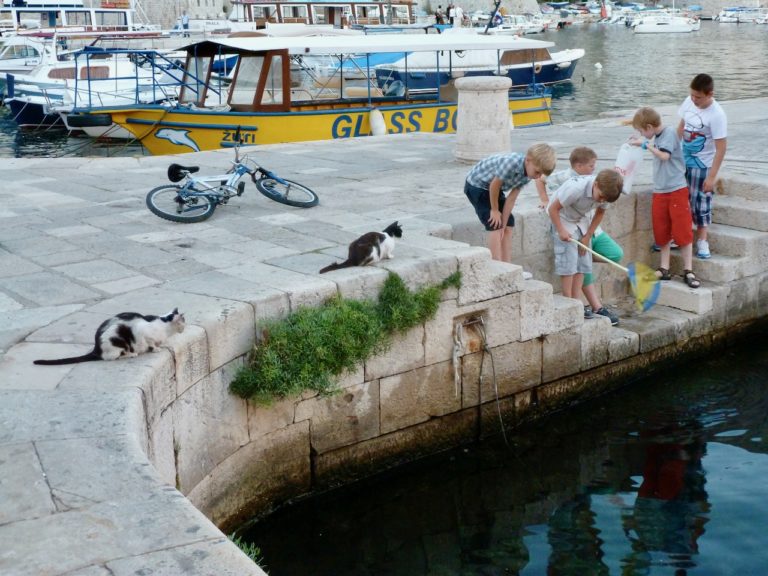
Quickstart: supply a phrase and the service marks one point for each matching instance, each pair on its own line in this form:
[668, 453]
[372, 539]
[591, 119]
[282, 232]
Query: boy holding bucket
[670, 208]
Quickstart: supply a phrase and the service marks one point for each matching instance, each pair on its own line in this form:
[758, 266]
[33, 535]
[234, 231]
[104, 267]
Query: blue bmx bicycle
[196, 198]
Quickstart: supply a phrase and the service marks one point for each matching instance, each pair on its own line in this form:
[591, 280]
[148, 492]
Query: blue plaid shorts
[701, 202]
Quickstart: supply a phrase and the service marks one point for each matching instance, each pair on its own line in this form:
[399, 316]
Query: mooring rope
[487, 350]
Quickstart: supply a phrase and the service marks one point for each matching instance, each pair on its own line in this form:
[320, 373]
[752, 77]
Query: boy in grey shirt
[576, 210]
[670, 208]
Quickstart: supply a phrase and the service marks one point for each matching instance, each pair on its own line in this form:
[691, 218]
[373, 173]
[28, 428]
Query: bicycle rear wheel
[166, 202]
[292, 194]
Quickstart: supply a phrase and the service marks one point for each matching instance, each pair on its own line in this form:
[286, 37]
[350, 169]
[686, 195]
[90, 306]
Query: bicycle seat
[176, 172]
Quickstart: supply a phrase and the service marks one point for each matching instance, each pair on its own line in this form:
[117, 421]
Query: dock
[112, 467]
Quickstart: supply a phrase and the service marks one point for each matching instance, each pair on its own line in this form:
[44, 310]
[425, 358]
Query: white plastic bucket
[628, 163]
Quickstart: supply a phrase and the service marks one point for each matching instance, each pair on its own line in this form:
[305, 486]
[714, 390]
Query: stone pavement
[78, 494]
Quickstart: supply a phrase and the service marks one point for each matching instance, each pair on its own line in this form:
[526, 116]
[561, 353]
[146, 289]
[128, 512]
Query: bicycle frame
[219, 187]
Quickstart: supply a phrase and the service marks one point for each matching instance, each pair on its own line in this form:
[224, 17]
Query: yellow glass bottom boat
[271, 101]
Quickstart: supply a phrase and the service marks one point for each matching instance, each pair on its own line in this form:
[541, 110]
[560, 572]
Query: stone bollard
[483, 120]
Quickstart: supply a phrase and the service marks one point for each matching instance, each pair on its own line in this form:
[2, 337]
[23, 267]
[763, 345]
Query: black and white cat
[369, 248]
[128, 334]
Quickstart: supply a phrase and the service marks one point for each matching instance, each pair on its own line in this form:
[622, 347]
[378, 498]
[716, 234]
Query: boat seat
[449, 92]
[362, 92]
[332, 82]
[395, 88]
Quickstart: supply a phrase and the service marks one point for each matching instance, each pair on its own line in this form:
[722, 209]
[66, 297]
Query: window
[243, 92]
[79, 18]
[273, 87]
[111, 20]
[195, 76]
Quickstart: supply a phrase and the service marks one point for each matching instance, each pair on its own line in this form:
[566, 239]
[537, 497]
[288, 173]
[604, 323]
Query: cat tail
[336, 266]
[73, 360]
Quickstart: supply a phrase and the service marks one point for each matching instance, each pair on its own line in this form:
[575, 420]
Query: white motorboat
[95, 77]
[518, 24]
[663, 23]
[19, 54]
[742, 15]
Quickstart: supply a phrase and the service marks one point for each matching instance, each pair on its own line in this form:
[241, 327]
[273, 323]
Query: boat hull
[174, 131]
[669, 25]
[547, 75]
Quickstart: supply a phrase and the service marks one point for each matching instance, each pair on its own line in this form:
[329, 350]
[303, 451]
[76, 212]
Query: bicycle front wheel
[167, 202]
[291, 193]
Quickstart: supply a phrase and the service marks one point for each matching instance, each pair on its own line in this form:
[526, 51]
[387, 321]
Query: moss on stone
[312, 346]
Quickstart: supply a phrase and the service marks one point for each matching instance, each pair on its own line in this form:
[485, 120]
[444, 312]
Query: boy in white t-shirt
[704, 129]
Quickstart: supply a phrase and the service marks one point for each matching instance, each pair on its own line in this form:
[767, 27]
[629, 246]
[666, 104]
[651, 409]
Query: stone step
[567, 313]
[719, 269]
[736, 241]
[741, 212]
[676, 294]
[741, 189]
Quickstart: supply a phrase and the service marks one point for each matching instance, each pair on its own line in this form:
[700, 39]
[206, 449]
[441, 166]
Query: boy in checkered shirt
[487, 182]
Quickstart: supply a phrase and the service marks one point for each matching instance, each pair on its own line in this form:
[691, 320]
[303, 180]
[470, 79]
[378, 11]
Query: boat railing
[154, 77]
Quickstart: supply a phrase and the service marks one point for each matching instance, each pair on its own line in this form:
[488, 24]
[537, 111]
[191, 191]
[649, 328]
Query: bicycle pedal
[240, 188]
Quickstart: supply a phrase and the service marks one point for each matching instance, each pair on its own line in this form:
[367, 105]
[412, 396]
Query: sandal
[663, 274]
[690, 279]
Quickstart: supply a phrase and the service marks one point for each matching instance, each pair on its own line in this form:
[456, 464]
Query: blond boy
[670, 206]
[487, 182]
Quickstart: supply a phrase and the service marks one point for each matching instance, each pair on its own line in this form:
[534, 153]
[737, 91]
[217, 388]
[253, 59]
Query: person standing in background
[458, 16]
[185, 22]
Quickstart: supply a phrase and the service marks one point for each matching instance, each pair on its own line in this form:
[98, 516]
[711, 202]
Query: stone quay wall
[234, 459]
[91, 454]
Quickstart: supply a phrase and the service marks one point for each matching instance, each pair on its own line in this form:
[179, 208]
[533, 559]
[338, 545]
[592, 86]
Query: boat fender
[564, 65]
[376, 120]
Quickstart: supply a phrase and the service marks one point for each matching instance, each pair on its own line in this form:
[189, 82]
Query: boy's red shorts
[671, 215]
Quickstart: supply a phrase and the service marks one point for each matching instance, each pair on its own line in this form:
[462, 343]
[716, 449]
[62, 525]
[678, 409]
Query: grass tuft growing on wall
[249, 548]
[306, 350]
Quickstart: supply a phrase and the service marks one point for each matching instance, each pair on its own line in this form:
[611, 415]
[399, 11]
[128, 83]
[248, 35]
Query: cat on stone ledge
[371, 247]
[127, 334]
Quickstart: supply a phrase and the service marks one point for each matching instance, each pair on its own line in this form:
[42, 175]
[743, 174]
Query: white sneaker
[702, 249]
[527, 275]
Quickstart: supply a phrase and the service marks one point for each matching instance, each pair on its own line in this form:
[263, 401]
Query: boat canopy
[331, 45]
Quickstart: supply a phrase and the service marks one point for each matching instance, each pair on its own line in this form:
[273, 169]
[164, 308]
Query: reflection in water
[671, 505]
[55, 142]
[666, 478]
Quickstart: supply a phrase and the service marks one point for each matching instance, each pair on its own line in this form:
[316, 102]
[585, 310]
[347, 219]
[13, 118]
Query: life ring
[537, 68]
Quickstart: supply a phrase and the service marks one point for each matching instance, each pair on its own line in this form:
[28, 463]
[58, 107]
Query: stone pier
[136, 466]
